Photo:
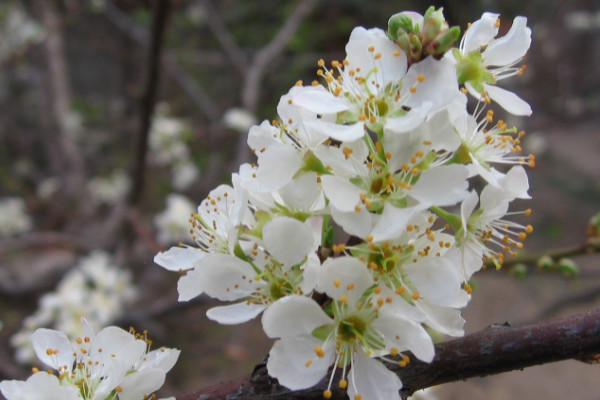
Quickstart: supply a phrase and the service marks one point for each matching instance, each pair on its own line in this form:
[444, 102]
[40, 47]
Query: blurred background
[82, 213]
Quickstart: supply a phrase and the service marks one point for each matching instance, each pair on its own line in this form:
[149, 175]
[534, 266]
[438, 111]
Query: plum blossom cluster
[113, 364]
[94, 288]
[361, 224]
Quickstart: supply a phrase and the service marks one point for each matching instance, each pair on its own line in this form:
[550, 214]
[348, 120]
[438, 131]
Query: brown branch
[185, 81]
[496, 349]
[589, 247]
[148, 98]
[44, 239]
[62, 151]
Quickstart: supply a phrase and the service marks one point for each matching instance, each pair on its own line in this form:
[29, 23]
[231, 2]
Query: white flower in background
[172, 224]
[166, 141]
[95, 289]
[18, 30]
[355, 331]
[184, 174]
[14, 219]
[114, 364]
[482, 60]
[284, 265]
[239, 119]
[48, 188]
[109, 189]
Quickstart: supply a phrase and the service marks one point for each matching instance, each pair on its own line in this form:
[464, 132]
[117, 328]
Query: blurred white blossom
[239, 119]
[95, 289]
[109, 189]
[172, 224]
[17, 30]
[14, 219]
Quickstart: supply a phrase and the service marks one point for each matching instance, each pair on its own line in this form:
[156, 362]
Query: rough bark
[496, 349]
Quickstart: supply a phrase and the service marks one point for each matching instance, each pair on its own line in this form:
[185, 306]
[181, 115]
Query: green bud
[567, 267]
[431, 28]
[415, 47]
[446, 40]
[518, 270]
[429, 11]
[545, 262]
[399, 24]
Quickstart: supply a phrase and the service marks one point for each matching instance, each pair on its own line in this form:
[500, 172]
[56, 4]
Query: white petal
[372, 380]
[440, 85]
[118, 345]
[510, 47]
[405, 335]
[303, 192]
[352, 222]
[508, 100]
[467, 207]
[341, 192]
[179, 258]
[235, 314]
[293, 362]
[225, 277]
[263, 136]
[39, 386]
[443, 319]
[408, 122]
[436, 279]
[441, 186]
[480, 33]
[288, 240]
[141, 384]
[390, 67]
[341, 132]
[293, 316]
[162, 358]
[392, 222]
[189, 286]
[344, 276]
[277, 166]
[515, 183]
[318, 100]
[44, 339]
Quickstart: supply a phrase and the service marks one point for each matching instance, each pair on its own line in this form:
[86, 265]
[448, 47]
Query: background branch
[148, 99]
[496, 349]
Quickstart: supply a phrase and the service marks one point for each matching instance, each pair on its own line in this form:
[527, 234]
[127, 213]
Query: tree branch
[148, 99]
[496, 349]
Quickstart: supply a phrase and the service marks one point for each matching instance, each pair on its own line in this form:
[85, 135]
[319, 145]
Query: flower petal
[179, 258]
[436, 279]
[480, 33]
[510, 47]
[235, 313]
[293, 316]
[344, 276]
[141, 384]
[405, 335]
[372, 380]
[508, 100]
[62, 356]
[293, 362]
[288, 240]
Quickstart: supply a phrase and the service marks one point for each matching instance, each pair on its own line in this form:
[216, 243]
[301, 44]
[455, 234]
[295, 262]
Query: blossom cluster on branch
[361, 222]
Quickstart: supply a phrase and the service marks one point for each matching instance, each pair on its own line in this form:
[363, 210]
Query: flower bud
[545, 262]
[568, 267]
[398, 25]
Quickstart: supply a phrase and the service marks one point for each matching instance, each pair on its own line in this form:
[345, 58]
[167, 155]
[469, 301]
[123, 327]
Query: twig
[555, 254]
[227, 41]
[496, 349]
[265, 56]
[148, 99]
[172, 68]
[62, 151]
[44, 239]
[260, 63]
